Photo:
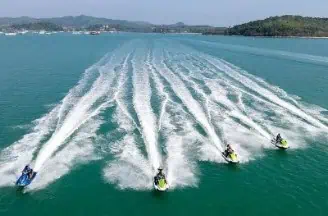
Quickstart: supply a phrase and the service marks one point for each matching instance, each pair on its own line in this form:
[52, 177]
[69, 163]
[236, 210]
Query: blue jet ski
[27, 177]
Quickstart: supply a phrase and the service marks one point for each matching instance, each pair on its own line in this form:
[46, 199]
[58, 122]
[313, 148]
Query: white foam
[180, 137]
[141, 101]
[81, 112]
[271, 52]
[265, 92]
[193, 106]
[160, 88]
[181, 143]
[79, 150]
[253, 114]
[15, 157]
[77, 114]
[129, 168]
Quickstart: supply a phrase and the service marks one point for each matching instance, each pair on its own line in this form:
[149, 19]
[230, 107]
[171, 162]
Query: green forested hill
[283, 26]
[95, 23]
[38, 26]
[73, 21]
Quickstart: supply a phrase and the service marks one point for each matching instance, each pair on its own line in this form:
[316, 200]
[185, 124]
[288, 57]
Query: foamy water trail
[195, 90]
[248, 120]
[68, 131]
[15, 157]
[271, 52]
[160, 88]
[78, 115]
[179, 136]
[129, 168]
[181, 170]
[193, 106]
[223, 66]
[141, 101]
[251, 123]
[258, 107]
[79, 150]
[221, 95]
[210, 99]
[22, 152]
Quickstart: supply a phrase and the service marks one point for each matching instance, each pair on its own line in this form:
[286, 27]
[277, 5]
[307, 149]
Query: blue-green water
[96, 116]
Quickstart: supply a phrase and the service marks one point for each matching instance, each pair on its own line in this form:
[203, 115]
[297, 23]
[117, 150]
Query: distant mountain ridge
[81, 21]
[73, 21]
[5, 21]
[84, 22]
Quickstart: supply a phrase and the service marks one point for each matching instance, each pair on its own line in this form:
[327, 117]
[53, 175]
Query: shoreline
[260, 36]
[313, 37]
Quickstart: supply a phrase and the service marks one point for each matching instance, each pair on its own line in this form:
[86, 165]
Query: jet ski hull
[161, 188]
[282, 146]
[232, 160]
[24, 180]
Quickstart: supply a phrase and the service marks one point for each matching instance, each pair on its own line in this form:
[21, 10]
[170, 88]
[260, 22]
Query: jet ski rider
[27, 170]
[228, 150]
[160, 175]
[279, 138]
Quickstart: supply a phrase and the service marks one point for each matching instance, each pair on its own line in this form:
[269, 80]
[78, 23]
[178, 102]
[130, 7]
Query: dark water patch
[200, 129]
[324, 113]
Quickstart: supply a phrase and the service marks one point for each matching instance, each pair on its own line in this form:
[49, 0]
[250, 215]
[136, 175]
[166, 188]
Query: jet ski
[231, 158]
[27, 177]
[280, 143]
[160, 182]
[230, 155]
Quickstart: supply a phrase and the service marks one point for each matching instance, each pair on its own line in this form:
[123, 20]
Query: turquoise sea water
[96, 116]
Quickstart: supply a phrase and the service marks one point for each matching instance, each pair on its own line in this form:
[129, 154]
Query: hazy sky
[214, 12]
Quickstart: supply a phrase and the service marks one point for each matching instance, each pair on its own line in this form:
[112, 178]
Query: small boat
[11, 34]
[23, 32]
[94, 33]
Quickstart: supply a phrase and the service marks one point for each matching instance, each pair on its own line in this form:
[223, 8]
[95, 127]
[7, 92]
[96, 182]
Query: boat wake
[64, 137]
[167, 105]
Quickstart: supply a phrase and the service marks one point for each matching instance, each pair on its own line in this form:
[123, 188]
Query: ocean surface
[96, 116]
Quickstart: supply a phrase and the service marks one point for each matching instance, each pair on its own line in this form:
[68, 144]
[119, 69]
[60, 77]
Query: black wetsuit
[278, 139]
[30, 174]
[26, 170]
[158, 177]
[228, 151]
